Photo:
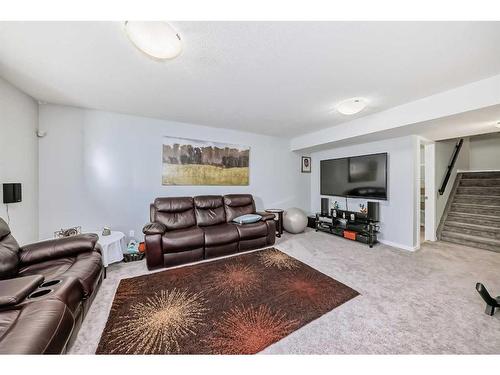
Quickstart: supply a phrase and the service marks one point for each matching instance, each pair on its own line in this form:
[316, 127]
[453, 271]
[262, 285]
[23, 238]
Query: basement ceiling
[275, 78]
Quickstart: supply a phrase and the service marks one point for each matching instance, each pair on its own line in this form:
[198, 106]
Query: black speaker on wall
[325, 203]
[373, 211]
[12, 193]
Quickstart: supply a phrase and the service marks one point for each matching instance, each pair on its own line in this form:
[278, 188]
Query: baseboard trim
[398, 246]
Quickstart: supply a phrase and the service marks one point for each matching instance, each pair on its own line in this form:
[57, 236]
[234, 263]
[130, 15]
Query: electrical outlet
[131, 233]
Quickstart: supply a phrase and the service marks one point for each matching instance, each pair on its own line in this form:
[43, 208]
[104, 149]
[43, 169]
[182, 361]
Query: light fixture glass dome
[155, 38]
[351, 106]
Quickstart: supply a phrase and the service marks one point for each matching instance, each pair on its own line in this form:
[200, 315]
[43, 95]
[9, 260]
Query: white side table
[112, 250]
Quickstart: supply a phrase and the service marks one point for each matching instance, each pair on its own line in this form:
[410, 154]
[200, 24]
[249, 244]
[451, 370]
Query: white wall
[100, 168]
[485, 152]
[18, 159]
[398, 214]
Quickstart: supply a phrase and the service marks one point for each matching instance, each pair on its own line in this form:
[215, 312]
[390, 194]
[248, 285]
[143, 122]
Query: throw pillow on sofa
[247, 219]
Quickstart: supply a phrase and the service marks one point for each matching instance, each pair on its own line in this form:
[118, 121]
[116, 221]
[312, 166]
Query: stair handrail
[454, 157]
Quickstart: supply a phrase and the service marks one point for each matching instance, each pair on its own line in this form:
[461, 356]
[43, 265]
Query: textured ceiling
[277, 78]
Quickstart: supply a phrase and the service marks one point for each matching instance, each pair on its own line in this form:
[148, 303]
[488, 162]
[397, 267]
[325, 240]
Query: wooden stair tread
[477, 205]
[475, 196]
[482, 179]
[470, 238]
[476, 245]
[472, 226]
[480, 175]
[474, 216]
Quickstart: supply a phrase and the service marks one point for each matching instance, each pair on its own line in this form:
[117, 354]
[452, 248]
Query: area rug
[235, 305]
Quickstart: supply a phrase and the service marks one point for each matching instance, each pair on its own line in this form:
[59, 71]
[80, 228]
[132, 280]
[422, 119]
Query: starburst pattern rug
[235, 305]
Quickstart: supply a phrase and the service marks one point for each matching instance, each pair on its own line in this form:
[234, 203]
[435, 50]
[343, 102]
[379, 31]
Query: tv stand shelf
[350, 225]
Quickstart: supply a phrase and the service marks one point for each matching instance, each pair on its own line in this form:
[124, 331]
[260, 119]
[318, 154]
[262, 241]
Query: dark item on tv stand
[311, 221]
[325, 202]
[491, 303]
[279, 220]
[366, 230]
[373, 211]
[12, 193]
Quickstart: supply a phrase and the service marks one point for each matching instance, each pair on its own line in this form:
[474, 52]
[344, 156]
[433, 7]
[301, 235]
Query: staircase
[472, 215]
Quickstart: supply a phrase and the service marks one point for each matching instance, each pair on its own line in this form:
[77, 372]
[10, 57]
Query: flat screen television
[355, 177]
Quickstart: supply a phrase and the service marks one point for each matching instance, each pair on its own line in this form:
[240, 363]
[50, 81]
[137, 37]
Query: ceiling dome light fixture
[351, 106]
[157, 39]
[497, 124]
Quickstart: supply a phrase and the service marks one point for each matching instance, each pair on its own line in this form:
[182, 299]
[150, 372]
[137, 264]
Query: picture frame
[206, 163]
[306, 164]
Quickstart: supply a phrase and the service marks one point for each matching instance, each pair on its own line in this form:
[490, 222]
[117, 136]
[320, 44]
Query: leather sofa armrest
[59, 248]
[154, 228]
[265, 215]
[14, 291]
[154, 253]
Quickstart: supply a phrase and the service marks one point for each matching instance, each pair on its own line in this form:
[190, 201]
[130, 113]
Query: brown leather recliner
[185, 229]
[45, 290]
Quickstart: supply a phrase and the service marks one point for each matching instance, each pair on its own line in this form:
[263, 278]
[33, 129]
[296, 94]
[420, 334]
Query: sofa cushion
[9, 252]
[182, 257]
[85, 267]
[39, 327]
[58, 248]
[182, 239]
[50, 269]
[174, 213]
[238, 204]
[209, 210]
[220, 234]
[251, 231]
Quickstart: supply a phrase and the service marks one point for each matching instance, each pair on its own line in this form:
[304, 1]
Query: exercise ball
[294, 220]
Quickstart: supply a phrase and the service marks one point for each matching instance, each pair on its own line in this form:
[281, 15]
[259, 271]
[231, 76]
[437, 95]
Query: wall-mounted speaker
[373, 211]
[12, 193]
[325, 206]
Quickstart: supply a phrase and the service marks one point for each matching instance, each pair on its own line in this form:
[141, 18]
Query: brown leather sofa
[45, 291]
[186, 229]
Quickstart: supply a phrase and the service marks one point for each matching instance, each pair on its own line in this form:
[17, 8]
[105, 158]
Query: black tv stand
[350, 225]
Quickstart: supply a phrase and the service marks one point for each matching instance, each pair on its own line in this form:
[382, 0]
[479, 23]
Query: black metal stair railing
[454, 157]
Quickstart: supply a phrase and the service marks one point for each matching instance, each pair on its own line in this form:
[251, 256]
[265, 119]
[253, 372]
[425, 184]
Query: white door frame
[430, 190]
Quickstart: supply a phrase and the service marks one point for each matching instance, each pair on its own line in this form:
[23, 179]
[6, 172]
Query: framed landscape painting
[197, 162]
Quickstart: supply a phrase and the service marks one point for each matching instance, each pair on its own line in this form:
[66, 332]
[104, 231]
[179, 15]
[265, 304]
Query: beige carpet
[421, 302]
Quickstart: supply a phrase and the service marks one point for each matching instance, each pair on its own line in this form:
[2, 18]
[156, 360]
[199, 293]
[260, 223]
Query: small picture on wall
[306, 164]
